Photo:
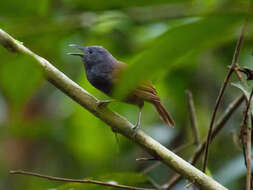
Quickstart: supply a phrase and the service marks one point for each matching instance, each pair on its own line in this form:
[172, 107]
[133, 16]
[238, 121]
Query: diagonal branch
[115, 121]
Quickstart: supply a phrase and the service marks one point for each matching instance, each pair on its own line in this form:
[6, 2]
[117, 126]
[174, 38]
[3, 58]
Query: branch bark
[115, 121]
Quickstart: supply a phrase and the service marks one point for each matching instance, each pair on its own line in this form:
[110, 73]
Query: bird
[103, 71]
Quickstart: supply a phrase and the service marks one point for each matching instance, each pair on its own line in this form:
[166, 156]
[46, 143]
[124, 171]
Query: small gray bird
[103, 72]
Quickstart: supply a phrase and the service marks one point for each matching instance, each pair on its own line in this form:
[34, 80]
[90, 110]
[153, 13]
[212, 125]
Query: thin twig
[151, 167]
[221, 92]
[21, 172]
[246, 140]
[248, 152]
[176, 150]
[173, 181]
[146, 159]
[236, 140]
[218, 127]
[188, 185]
[183, 147]
[193, 119]
[155, 184]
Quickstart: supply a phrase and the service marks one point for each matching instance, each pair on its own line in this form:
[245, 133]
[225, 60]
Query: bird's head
[93, 55]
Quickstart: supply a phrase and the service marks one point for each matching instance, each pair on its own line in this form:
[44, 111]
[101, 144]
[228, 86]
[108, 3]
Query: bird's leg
[104, 103]
[137, 126]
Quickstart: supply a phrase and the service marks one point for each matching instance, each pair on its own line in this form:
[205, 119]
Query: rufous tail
[164, 115]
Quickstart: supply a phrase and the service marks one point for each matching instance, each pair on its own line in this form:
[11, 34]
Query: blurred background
[177, 44]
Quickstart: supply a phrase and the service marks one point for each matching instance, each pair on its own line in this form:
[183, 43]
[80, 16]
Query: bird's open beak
[76, 54]
[78, 47]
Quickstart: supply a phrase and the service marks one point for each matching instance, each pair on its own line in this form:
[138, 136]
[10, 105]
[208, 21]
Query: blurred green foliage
[177, 44]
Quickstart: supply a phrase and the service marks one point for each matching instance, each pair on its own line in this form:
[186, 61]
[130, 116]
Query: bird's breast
[100, 80]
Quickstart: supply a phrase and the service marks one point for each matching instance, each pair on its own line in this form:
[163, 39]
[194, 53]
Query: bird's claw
[103, 104]
[136, 128]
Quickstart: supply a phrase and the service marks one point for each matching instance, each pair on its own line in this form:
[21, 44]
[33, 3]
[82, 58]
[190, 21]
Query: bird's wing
[145, 90]
[118, 70]
[147, 86]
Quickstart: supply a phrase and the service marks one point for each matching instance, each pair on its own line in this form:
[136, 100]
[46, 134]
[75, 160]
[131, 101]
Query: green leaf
[131, 179]
[174, 45]
[246, 87]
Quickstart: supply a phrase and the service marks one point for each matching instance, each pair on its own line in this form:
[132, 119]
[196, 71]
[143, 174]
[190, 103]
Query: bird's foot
[136, 128]
[102, 104]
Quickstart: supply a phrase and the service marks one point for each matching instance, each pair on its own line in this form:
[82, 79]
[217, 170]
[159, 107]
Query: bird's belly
[101, 83]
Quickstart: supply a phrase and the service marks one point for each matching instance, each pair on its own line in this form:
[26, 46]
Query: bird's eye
[90, 51]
